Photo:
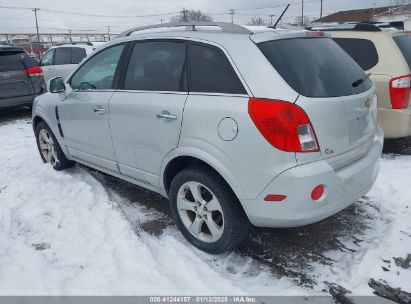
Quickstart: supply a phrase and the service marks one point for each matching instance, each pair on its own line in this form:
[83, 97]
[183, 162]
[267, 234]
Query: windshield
[315, 67]
[404, 43]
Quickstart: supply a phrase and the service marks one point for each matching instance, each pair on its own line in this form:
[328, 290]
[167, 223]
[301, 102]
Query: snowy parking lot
[81, 232]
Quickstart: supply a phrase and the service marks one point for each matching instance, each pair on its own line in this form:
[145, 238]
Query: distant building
[397, 15]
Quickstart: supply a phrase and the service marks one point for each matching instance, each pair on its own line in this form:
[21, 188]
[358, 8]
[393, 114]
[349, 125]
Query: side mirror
[56, 85]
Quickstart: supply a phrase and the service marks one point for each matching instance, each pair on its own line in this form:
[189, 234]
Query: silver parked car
[276, 128]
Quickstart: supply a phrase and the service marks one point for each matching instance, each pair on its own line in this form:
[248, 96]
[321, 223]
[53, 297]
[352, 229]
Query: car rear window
[404, 43]
[62, 56]
[14, 61]
[77, 55]
[363, 51]
[315, 67]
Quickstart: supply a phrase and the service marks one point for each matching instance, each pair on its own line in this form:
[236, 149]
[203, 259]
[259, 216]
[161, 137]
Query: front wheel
[206, 210]
[49, 148]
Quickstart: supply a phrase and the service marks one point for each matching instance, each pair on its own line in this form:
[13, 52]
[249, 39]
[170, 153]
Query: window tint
[14, 61]
[315, 67]
[211, 72]
[62, 56]
[98, 72]
[363, 51]
[404, 43]
[77, 55]
[47, 58]
[156, 66]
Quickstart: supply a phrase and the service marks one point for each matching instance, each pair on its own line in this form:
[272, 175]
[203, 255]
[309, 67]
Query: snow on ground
[68, 233]
[63, 233]
[388, 237]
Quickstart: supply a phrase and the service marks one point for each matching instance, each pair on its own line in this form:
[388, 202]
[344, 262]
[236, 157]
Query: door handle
[166, 116]
[99, 110]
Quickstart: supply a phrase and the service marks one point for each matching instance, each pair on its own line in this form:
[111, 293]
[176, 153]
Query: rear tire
[49, 148]
[206, 210]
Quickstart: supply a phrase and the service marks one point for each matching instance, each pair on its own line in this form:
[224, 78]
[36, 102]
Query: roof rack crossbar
[226, 27]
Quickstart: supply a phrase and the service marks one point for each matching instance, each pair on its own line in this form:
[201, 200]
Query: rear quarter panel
[249, 159]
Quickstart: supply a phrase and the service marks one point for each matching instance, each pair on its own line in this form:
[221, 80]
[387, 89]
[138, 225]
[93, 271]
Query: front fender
[45, 110]
[208, 159]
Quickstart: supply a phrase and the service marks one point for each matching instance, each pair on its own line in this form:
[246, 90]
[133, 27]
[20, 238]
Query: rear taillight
[34, 71]
[283, 124]
[400, 91]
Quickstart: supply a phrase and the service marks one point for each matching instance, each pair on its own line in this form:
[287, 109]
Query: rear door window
[77, 55]
[363, 51]
[315, 67]
[404, 44]
[62, 56]
[15, 61]
[211, 71]
[156, 66]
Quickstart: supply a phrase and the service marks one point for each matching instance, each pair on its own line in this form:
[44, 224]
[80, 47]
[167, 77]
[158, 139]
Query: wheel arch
[178, 161]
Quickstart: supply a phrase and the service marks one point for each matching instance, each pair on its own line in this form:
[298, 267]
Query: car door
[84, 113]
[47, 65]
[146, 112]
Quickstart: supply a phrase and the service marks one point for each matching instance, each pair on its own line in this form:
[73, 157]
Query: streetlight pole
[37, 30]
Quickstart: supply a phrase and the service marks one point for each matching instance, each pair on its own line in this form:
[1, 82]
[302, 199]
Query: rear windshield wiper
[361, 80]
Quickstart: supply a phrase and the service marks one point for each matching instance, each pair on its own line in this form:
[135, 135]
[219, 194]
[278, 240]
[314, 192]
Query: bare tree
[191, 16]
[256, 21]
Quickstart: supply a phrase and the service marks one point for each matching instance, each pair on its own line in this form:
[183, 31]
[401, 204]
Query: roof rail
[365, 27]
[226, 27]
[75, 43]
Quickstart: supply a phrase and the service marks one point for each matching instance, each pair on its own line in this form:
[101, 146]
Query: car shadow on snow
[286, 252]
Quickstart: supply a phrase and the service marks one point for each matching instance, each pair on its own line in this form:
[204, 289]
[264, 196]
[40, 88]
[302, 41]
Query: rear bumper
[16, 101]
[343, 187]
[396, 123]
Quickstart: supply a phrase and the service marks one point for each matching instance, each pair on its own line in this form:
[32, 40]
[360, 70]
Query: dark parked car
[21, 79]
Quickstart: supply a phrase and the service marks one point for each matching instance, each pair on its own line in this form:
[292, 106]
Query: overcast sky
[23, 20]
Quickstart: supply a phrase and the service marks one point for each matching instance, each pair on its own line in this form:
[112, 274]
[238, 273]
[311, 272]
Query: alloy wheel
[47, 147]
[200, 211]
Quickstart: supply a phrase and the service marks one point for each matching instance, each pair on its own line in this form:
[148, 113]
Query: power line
[87, 15]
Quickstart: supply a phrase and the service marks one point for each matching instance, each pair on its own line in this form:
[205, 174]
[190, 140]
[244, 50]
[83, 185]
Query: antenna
[281, 16]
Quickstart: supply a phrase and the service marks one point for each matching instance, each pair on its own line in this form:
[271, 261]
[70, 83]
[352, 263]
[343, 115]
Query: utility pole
[71, 39]
[37, 30]
[321, 9]
[184, 11]
[302, 12]
[271, 17]
[108, 32]
[232, 12]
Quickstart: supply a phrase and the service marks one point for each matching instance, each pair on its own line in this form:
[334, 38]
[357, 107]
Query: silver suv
[277, 128]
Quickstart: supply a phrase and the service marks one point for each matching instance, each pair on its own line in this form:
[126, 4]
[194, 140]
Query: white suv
[276, 128]
[60, 61]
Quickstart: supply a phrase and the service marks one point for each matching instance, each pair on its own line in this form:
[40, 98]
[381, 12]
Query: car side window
[62, 56]
[47, 58]
[211, 71]
[98, 72]
[363, 51]
[156, 66]
[77, 55]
